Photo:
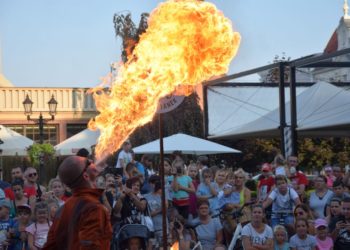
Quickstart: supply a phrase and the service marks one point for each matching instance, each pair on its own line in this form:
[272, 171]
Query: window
[32, 132]
[73, 129]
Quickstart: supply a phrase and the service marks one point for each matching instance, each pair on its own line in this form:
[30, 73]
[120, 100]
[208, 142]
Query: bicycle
[235, 243]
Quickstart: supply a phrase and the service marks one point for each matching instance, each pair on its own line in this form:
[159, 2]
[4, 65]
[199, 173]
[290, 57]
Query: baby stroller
[126, 232]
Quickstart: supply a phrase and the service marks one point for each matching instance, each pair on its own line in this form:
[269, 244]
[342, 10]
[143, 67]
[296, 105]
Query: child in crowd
[37, 231]
[281, 238]
[6, 223]
[324, 242]
[208, 189]
[302, 240]
[19, 239]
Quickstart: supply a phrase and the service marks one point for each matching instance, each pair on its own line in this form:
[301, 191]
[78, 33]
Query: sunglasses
[32, 174]
[87, 164]
[300, 213]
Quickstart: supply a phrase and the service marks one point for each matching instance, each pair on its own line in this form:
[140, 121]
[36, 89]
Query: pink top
[39, 232]
[330, 180]
[325, 244]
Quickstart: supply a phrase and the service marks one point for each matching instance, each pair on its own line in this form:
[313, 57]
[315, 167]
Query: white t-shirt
[39, 231]
[280, 170]
[255, 237]
[302, 244]
[283, 202]
[126, 156]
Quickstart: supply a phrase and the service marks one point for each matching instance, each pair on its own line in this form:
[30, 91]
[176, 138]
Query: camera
[177, 224]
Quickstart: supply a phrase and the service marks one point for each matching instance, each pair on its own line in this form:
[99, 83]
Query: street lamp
[28, 104]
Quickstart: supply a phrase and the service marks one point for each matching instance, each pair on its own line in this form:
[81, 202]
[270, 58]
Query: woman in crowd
[319, 197]
[56, 188]
[19, 198]
[182, 186]
[302, 211]
[209, 230]
[280, 165]
[193, 173]
[244, 193]
[256, 234]
[131, 205]
[155, 205]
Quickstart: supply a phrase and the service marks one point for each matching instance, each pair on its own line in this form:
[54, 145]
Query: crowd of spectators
[288, 211]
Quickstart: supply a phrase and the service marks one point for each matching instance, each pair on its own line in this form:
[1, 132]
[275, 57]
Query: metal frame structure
[318, 61]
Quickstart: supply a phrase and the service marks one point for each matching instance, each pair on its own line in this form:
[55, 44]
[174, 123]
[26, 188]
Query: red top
[28, 192]
[265, 185]
[299, 178]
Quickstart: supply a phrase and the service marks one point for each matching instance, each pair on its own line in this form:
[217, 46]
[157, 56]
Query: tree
[126, 29]
[272, 75]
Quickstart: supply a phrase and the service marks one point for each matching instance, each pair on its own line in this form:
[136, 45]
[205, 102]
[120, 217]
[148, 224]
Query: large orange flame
[186, 43]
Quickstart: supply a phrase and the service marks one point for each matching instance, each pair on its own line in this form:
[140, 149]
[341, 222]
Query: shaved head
[70, 170]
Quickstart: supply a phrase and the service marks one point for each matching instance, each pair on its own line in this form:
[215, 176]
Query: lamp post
[28, 104]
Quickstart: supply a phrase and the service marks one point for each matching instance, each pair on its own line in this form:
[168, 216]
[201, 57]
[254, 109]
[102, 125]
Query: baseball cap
[320, 223]
[266, 167]
[328, 168]
[24, 206]
[5, 203]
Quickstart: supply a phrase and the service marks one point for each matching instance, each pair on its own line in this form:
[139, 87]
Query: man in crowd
[341, 233]
[83, 222]
[125, 156]
[297, 177]
[17, 173]
[31, 182]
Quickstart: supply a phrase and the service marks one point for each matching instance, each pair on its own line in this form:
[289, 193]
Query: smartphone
[116, 171]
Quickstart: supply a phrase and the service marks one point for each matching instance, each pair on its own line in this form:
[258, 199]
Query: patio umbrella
[84, 139]
[186, 144]
[13, 143]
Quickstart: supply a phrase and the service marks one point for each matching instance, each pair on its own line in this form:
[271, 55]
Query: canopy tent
[84, 139]
[13, 143]
[322, 110]
[186, 144]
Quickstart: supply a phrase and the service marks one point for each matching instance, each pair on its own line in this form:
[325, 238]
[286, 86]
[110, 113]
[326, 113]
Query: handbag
[147, 220]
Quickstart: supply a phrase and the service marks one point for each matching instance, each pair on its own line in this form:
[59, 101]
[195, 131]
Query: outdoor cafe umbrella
[186, 144]
[13, 143]
[84, 139]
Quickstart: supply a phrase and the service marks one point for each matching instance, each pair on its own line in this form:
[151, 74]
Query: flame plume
[186, 43]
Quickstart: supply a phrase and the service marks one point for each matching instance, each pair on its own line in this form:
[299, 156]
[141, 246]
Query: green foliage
[36, 150]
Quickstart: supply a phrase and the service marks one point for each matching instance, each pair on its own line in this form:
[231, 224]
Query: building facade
[74, 109]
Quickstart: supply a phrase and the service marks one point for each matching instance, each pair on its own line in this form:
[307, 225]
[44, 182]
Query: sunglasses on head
[87, 164]
[32, 174]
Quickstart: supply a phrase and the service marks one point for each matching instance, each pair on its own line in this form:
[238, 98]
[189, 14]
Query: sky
[71, 43]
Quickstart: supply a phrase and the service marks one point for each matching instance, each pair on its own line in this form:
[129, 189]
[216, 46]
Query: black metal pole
[282, 107]
[41, 129]
[162, 178]
[41, 138]
[206, 117]
[293, 112]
